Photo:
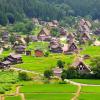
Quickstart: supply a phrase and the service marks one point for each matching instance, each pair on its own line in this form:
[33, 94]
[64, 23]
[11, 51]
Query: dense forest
[16, 10]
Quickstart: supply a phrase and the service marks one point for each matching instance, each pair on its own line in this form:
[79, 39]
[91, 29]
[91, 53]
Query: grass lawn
[93, 51]
[87, 81]
[89, 97]
[48, 88]
[41, 45]
[43, 63]
[13, 98]
[91, 89]
[48, 96]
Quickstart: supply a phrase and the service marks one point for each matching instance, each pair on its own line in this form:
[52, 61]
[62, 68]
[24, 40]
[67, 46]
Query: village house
[53, 24]
[70, 38]
[81, 66]
[17, 37]
[84, 26]
[33, 38]
[57, 71]
[38, 53]
[5, 37]
[5, 64]
[55, 46]
[44, 35]
[20, 49]
[14, 58]
[86, 37]
[70, 48]
[63, 32]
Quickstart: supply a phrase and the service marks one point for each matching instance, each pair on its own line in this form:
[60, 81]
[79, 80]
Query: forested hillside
[15, 10]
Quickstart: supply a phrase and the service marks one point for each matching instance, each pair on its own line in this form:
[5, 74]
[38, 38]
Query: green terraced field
[48, 88]
[89, 97]
[87, 81]
[43, 63]
[48, 96]
[13, 98]
[91, 89]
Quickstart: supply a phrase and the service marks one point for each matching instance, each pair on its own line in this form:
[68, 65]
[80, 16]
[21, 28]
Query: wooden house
[63, 31]
[44, 35]
[86, 36]
[5, 36]
[33, 38]
[84, 26]
[39, 53]
[72, 47]
[70, 38]
[57, 72]
[20, 49]
[5, 64]
[14, 59]
[55, 46]
[52, 24]
[81, 66]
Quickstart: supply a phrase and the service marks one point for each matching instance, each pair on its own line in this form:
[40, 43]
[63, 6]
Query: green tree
[60, 64]
[48, 74]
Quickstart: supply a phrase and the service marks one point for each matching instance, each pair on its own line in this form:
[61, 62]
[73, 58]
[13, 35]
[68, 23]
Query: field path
[19, 69]
[78, 90]
[76, 83]
[22, 96]
[1, 50]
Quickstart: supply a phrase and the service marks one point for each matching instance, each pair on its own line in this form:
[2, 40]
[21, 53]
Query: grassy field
[93, 51]
[89, 97]
[48, 88]
[13, 98]
[48, 96]
[87, 81]
[91, 89]
[43, 63]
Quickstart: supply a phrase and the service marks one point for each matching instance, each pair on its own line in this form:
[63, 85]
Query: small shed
[39, 53]
[57, 71]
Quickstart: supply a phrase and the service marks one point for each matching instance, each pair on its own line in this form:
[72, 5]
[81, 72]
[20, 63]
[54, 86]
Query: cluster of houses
[70, 45]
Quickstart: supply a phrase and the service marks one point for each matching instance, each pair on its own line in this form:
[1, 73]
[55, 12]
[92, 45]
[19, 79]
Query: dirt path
[1, 50]
[18, 93]
[76, 83]
[19, 69]
[78, 90]
[22, 96]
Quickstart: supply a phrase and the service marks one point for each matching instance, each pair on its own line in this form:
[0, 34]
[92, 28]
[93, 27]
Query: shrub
[46, 54]
[24, 76]
[2, 91]
[48, 74]
[7, 87]
[60, 64]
